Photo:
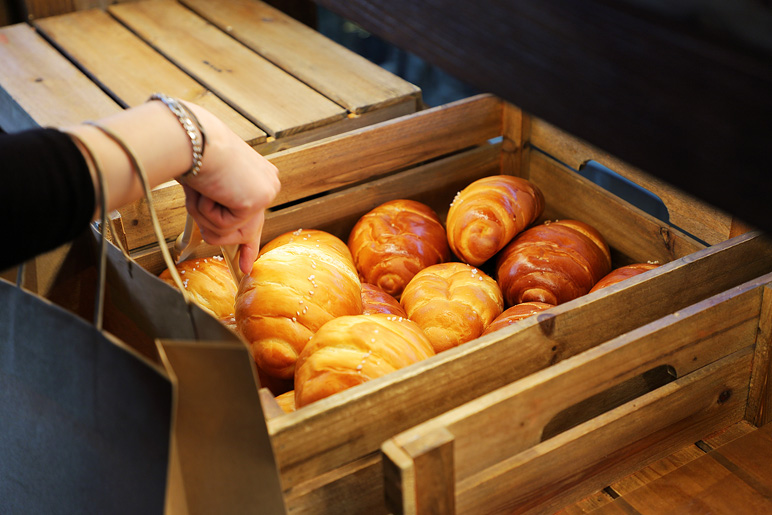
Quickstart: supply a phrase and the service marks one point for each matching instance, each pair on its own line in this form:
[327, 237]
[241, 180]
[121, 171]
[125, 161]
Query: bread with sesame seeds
[488, 213]
[552, 263]
[452, 302]
[210, 285]
[295, 287]
[394, 241]
[351, 350]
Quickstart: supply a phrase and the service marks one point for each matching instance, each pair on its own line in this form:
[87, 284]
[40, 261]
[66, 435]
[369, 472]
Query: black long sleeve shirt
[46, 193]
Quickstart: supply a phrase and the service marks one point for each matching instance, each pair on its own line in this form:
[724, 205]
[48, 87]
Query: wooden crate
[328, 453]
[552, 438]
[274, 81]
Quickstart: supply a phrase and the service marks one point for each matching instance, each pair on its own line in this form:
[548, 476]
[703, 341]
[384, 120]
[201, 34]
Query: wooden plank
[656, 470]
[749, 458]
[353, 489]
[432, 455]
[511, 419]
[681, 92]
[39, 87]
[268, 96]
[386, 406]
[573, 464]
[332, 163]
[760, 398]
[341, 75]
[701, 486]
[727, 434]
[685, 211]
[589, 504]
[635, 234]
[131, 70]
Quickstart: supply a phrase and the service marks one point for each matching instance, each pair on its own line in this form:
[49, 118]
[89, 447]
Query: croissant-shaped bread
[210, 285]
[488, 213]
[351, 350]
[293, 289]
[313, 237]
[452, 302]
[515, 313]
[552, 263]
[375, 300]
[392, 242]
[622, 273]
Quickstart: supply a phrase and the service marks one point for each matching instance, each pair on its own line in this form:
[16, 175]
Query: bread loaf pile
[324, 315]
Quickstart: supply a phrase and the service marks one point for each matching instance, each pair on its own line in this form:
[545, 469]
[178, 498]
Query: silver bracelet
[191, 126]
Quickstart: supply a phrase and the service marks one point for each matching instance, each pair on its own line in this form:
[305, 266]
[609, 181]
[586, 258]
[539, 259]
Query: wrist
[192, 127]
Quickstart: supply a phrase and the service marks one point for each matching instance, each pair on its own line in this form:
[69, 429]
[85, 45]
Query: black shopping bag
[84, 420]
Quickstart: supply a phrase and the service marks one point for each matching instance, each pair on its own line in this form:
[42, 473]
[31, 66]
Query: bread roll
[286, 401]
[552, 263]
[515, 313]
[452, 302]
[391, 243]
[293, 289]
[210, 284]
[622, 273]
[351, 350]
[313, 237]
[488, 213]
[375, 300]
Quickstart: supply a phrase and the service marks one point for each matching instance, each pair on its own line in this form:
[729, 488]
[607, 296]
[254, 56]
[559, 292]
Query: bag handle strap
[104, 220]
[151, 208]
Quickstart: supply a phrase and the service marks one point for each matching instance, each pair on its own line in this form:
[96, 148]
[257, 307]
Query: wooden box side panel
[506, 426]
[692, 215]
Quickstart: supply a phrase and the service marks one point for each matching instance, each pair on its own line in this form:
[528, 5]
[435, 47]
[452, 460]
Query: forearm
[156, 137]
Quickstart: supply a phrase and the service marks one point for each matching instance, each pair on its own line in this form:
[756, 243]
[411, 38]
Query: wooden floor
[726, 473]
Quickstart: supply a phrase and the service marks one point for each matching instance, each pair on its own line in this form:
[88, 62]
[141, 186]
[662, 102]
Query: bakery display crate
[273, 80]
[585, 425]
[328, 453]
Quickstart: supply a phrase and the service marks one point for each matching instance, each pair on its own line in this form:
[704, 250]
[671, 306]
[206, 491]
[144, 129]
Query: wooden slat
[575, 463]
[629, 230]
[341, 75]
[386, 147]
[657, 469]
[268, 96]
[760, 398]
[130, 69]
[749, 459]
[512, 419]
[389, 405]
[685, 211]
[39, 87]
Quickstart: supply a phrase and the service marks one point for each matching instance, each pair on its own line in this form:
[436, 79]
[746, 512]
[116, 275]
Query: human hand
[229, 195]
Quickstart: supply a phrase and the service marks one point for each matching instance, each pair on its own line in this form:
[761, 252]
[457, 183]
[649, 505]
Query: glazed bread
[488, 213]
[293, 290]
[375, 300]
[210, 285]
[391, 243]
[452, 302]
[351, 350]
[552, 263]
[515, 313]
[313, 237]
[622, 273]
[286, 401]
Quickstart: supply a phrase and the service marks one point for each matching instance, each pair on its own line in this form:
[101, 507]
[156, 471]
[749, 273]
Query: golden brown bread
[210, 285]
[622, 273]
[293, 289]
[351, 350]
[488, 213]
[375, 300]
[552, 263]
[312, 237]
[392, 242]
[452, 302]
[286, 401]
[515, 313]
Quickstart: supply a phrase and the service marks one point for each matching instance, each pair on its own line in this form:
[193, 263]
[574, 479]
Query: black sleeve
[46, 193]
